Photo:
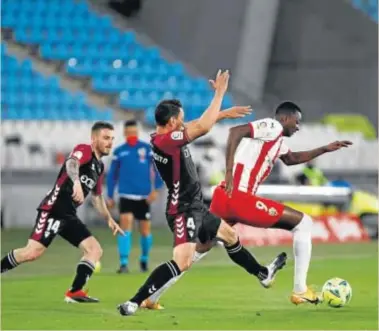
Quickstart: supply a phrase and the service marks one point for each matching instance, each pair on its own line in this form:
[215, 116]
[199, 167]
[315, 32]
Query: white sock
[155, 297]
[302, 250]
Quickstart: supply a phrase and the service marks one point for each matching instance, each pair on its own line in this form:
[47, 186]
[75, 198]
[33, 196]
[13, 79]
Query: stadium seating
[369, 7]
[27, 95]
[362, 155]
[90, 46]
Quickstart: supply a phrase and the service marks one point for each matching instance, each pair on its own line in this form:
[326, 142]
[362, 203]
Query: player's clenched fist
[77, 193]
[220, 84]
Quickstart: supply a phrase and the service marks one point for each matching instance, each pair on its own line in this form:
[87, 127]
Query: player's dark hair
[287, 108]
[101, 125]
[130, 123]
[167, 109]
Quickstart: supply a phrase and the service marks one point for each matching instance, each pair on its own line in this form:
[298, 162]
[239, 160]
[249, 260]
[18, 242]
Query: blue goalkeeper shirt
[133, 171]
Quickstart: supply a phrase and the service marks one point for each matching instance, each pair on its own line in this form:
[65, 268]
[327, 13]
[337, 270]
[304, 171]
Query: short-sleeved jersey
[177, 169]
[91, 171]
[256, 155]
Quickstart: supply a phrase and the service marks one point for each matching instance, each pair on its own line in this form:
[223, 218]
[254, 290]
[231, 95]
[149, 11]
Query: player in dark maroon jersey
[81, 174]
[187, 215]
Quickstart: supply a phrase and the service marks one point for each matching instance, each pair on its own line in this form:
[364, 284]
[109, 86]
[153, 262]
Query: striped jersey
[256, 155]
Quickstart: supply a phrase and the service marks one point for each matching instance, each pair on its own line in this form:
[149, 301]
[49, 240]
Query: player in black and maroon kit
[187, 215]
[81, 174]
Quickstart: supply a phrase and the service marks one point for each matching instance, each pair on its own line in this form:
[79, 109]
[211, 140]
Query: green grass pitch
[214, 295]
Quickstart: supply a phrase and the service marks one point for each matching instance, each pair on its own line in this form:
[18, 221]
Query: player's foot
[127, 308]
[143, 266]
[309, 296]
[148, 304]
[278, 263]
[79, 297]
[123, 269]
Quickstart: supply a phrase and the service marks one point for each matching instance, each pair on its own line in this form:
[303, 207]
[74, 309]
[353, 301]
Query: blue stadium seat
[27, 95]
[90, 46]
[369, 7]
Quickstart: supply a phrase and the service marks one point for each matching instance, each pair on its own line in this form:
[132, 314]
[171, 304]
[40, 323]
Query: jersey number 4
[190, 224]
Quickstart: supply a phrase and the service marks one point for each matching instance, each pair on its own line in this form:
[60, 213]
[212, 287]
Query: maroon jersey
[91, 172]
[174, 163]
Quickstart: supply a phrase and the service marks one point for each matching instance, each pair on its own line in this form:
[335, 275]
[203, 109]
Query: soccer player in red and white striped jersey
[252, 150]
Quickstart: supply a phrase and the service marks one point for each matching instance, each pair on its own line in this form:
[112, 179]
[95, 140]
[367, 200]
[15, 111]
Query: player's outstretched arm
[230, 113]
[235, 136]
[99, 203]
[204, 124]
[293, 158]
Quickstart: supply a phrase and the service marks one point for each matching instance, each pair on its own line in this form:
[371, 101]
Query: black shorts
[193, 225]
[139, 208]
[49, 225]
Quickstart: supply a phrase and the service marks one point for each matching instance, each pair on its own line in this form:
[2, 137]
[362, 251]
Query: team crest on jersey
[262, 125]
[272, 211]
[142, 154]
[177, 135]
[78, 154]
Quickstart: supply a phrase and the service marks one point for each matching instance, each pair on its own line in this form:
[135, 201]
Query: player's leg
[185, 228]
[77, 234]
[146, 238]
[44, 231]
[245, 208]
[239, 254]
[152, 301]
[124, 243]
[32, 251]
[301, 226]
[261, 212]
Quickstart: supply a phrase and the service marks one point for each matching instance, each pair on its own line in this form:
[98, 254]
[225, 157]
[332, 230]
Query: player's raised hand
[229, 182]
[77, 193]
[237, 111]
[115, 227]
[335, 146]
[220, 84]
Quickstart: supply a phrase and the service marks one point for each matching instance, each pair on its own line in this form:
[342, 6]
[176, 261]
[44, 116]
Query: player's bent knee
[227, 233]
[91, 248]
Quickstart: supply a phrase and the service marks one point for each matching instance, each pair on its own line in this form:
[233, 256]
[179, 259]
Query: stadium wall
[205, 33]
[324, 53]
[325, 57]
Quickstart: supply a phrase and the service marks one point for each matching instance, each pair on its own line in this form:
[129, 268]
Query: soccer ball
[97, 267]
[337, 292]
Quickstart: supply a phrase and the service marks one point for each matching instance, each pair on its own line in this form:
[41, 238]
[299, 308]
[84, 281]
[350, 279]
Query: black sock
[159, 277]
[84, 271]
[241, 256]
[8, 262]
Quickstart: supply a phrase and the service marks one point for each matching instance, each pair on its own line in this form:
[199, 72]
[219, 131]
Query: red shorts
[246, 208]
